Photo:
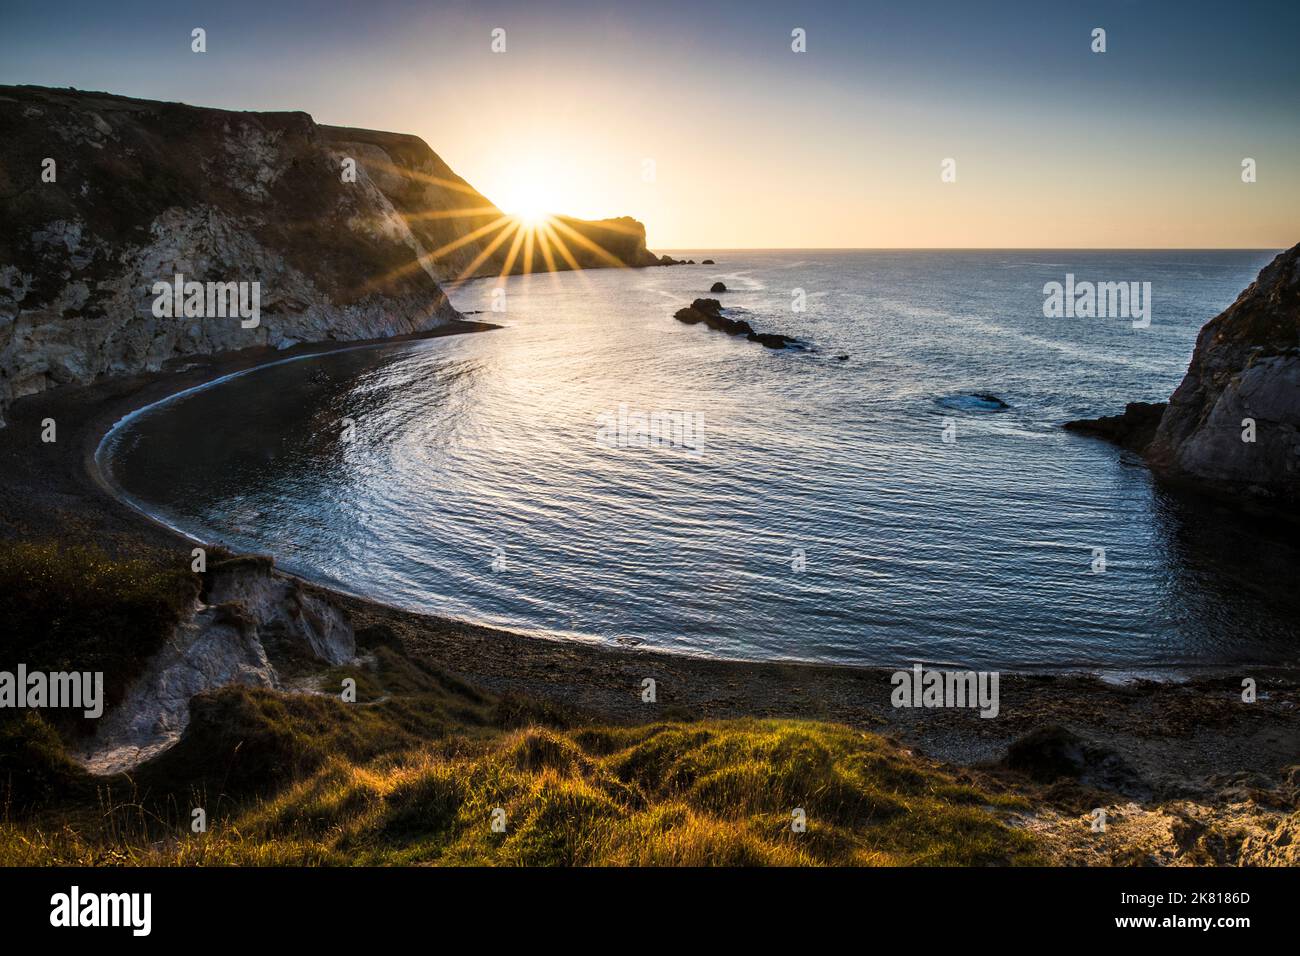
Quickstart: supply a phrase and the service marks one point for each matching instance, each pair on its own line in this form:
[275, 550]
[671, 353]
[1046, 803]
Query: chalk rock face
[247, 605]
[103, 196]
[1246, 366]
[215, 647]
[347, 231]
[281, 604]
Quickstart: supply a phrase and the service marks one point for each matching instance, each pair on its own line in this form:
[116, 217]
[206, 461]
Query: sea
[898, 489]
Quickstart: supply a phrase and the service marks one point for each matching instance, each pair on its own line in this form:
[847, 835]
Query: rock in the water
[1132, 430]
[708, 262]
[975, 402]
[709, 311]
[717, 287]
[771, 340]
[1246, 368]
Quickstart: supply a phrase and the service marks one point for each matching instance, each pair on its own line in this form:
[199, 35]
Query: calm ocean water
[821, 517]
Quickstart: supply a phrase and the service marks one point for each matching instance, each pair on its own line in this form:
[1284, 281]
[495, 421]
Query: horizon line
[976, 248]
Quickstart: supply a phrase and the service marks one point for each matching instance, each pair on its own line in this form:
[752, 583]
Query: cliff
[1233, 425]
[464, 233]
[102, 196]
[1246, 366]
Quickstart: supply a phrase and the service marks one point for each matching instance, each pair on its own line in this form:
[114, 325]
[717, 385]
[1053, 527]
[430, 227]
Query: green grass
[716, 793]
[75, 609]
[413, 771]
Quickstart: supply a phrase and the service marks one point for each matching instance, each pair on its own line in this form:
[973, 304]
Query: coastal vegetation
[417, 765]
[75, 608]
[422, 767]
[709, 793]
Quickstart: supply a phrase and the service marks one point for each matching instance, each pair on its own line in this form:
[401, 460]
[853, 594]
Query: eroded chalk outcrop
[282, 605]
[246, 607]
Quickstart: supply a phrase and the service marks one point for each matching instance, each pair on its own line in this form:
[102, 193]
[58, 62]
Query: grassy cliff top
[710, 793]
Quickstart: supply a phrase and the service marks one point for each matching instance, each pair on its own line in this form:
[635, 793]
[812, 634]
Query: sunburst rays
[503, 244]
[544, 238]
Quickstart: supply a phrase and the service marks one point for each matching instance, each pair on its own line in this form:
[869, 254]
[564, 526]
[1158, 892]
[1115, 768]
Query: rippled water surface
[822, 516]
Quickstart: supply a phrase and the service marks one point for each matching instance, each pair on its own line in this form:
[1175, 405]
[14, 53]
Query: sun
[531, 214]
[519, 227]
[527, 192]
[526, 199]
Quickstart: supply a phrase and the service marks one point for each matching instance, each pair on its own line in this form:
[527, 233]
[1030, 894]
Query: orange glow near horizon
[705, 125]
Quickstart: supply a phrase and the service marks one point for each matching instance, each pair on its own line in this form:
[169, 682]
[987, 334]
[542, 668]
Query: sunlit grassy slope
[676, 794]
[417, 769]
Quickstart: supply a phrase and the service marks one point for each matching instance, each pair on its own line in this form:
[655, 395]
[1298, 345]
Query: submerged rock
[717, 287]
[708, 262]
[773, 340]
[975, 402]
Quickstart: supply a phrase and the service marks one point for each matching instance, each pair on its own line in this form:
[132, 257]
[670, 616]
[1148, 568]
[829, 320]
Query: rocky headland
[1232, 427]
[348, 233]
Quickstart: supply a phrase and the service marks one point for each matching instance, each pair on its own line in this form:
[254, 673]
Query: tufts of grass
[244, 742]
[421, 765]
[74, 608]
[709, 793]
[34, 766]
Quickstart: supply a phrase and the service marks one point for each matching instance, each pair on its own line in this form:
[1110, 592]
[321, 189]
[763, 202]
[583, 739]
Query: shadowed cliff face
[140, 191]
[1246, 366]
